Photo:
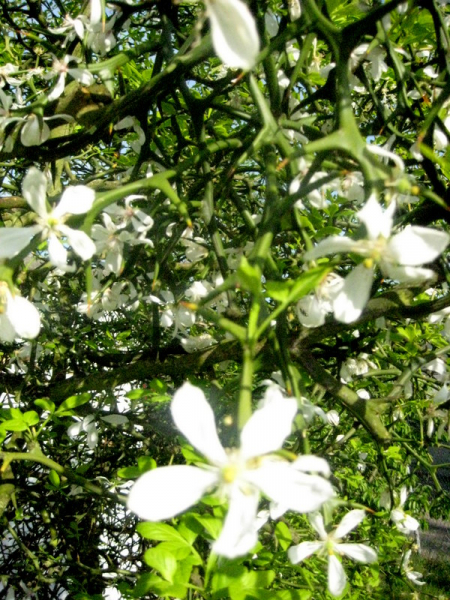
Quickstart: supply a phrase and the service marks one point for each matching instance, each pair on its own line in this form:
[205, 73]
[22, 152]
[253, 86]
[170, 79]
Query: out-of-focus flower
[312, 309]
[295, 9]
[240, 475]
[18, 317]
[412, 575]
[132, 122]
[331, 545]
[355, 367]
[198, 342]
[234, 35]
[88, 426]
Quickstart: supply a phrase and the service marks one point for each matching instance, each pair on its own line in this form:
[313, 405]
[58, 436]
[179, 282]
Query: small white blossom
[404, 522]
[241, 475]
[88, 426]
[331, 545]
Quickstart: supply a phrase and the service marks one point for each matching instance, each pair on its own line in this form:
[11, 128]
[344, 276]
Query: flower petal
[317, 523]
[337, 579]
[269, 425]
[313, 464]
[240, 529]
[287, 486]
[359, 552]
[417, 245]
[24, 317]
[34, 132]
[34, 190]
[76, 200]
[167, 491]
[349, 522]
[311, 311]
[14, 239]
[57, 253]
[334, 244]
[195, 419]
[234, 35]
[378, 222]
[58, 89]
[406, 274]
[351, 300]
[80, 242]
[298, 553]
[7, 331]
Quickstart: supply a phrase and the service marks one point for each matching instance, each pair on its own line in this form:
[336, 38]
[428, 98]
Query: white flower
[199, 342]
[412, 575]
[355, 367]
[312, 309]
[18, 317]
[135, 145]
[234, 35]
[75, 200]
[73, 28]
[398, 256]
[404, 523]
[140, 221]
[333, 417]
[100, 36]
[87, 425]
[61, 68]
[240, 475]
[295, 9]
[331, 545]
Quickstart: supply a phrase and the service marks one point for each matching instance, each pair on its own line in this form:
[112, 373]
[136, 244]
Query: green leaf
[146, 463]
[283, 535]
[279, 290]
[162, 560]
[150, 582]
[14, 425]
[213, 525]
[73, 402]
[189, 528]
[31, 418]
[238, 583]
[160, 532]
[226, 576]
[252, 580]
[45, 404]
[284, 594]
[307, 282]
[136, 394]
[129, 472]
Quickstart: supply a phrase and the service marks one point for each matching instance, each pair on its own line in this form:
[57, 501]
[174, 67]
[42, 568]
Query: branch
[366, 412]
